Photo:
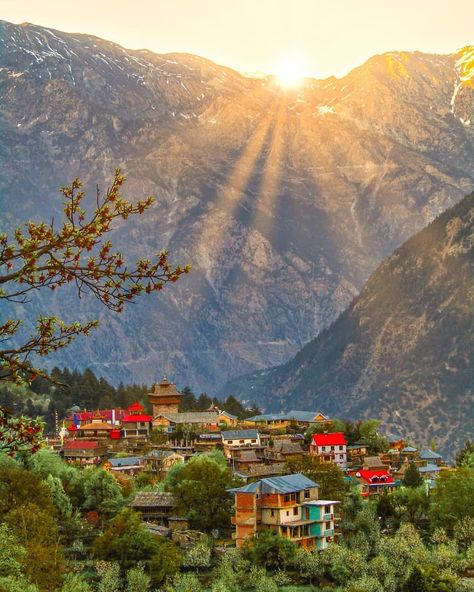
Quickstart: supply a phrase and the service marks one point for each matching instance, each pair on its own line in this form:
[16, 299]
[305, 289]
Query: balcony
[328, 517]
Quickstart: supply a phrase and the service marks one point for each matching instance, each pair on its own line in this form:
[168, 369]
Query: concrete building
[288, 505]
[330, 448]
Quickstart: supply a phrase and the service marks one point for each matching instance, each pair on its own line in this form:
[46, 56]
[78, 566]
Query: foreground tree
[200, 489]
[42, 255]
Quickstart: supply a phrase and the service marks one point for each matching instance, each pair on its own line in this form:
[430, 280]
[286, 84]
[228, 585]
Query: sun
[290, 72]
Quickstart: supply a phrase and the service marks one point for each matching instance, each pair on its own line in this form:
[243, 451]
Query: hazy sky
[331, 36]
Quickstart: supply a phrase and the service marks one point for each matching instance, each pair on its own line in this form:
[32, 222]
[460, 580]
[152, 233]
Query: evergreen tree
[412, 477]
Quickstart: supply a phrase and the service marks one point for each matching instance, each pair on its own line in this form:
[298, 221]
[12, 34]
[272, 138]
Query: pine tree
[412, 477]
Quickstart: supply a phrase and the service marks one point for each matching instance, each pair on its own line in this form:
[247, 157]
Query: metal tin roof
[284, 484]
[240, 434]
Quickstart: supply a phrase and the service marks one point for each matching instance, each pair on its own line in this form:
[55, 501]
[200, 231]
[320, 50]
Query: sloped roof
[305, 415]
[372, 461]
[190, 417]
[136, 406]
[158, 499]
[409, 449]
[128, 461]
[286, 447]
[427, 454]
[429, 469]
[229, 415]
[284, 484]
[375, 477]
[135, 418]
[240, 434]
[98, 425]
[334, 439]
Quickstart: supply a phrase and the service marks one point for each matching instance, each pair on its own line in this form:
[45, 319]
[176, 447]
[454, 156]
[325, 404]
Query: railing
[329, 532]
[327, 517]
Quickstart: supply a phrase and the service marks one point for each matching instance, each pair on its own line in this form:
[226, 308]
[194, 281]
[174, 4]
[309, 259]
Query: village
[130, 442]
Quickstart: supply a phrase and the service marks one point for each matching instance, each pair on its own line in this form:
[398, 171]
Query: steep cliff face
[284, 202]
[403, 350]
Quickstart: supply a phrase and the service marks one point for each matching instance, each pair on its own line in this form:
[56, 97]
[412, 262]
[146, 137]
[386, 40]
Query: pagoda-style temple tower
[164, 398]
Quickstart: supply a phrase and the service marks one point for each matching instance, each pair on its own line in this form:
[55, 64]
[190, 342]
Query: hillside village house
[136, 424]
[303, 419]
[129, 465]
[85, 452]
[330, 448]
[288, 505]
[236, 440]
[154, 506]
[374, 482]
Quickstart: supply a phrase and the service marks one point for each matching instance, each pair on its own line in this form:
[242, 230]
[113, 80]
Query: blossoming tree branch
[39, 256]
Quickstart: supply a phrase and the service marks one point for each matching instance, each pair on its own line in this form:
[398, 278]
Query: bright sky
[328, 37]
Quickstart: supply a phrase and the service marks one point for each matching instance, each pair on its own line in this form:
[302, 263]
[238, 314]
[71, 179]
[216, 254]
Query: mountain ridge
[283, 202]
[404, 348]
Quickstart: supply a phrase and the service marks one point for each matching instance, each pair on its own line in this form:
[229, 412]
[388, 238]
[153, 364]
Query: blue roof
[285, 484]
[304, 415]
[127, 461]
[429, 469]
[429, 454]
[409, 449]
[267, 417]
[293, 414]
[240, 434]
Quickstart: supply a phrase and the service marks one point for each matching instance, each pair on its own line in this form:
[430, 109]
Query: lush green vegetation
[66, 529]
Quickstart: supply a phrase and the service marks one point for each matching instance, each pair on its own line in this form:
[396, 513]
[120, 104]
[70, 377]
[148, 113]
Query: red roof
[136, 406]
[80, 444]
[335, 439]
[135, 418]
[375, 477]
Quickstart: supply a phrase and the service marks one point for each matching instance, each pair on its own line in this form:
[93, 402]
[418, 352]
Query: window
[306, 494]
[230, 441]
[295, 511]
[241, 441]
[328, 525]
[340, 448]
[287, 498]
[272, 513]
[332, 448]
[254, 441]
[287, 512]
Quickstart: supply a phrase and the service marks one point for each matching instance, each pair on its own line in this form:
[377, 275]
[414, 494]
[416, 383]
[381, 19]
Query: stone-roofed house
[205, 419]
[154, 506]
[282, 449]
[374, 463]
[288, 505]
[160, 461]
[85, 452]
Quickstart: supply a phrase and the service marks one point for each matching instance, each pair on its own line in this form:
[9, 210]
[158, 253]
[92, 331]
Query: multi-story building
[330, 448]
[288, 505]
[234, 441]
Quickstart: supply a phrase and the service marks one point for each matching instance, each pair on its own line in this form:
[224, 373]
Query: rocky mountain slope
[284, 202]
[403, 350]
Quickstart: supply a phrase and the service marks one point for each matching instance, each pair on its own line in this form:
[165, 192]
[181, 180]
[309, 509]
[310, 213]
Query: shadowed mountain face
[284, 202]
[404, 349]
